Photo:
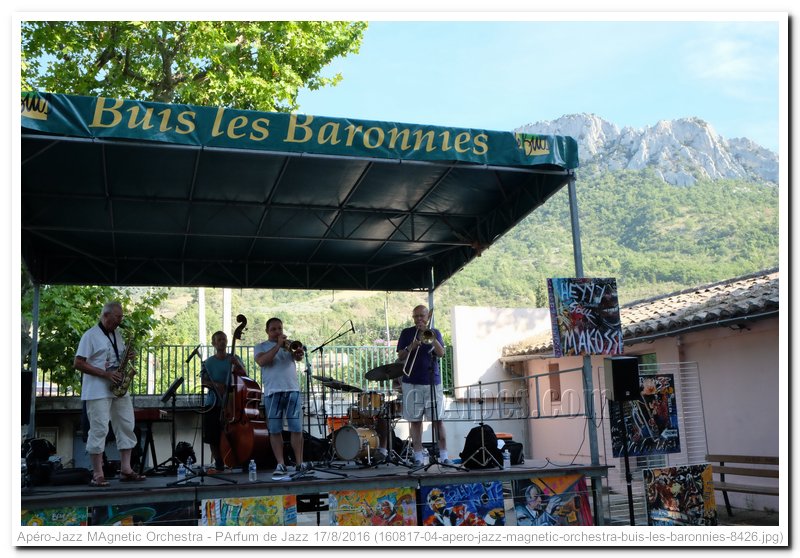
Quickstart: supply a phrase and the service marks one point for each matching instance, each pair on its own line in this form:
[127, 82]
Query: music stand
[172, 461]
[482, 450]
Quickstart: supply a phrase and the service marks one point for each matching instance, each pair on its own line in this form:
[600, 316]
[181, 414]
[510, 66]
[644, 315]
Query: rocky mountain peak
[681, 151]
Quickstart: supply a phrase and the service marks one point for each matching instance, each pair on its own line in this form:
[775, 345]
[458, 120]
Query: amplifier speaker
[622, 378]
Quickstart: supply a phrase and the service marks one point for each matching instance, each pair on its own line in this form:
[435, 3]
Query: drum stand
[392, 457]
[487, 457]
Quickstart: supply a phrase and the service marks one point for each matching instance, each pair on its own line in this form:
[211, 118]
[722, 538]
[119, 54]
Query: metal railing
[159, 367]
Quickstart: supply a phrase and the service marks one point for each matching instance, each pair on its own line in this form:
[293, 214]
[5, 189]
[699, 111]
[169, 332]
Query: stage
[311, 491]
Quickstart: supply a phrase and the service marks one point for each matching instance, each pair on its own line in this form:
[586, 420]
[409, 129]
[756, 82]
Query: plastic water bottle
[181, 472]
[506, 460]
[189, 463]
[252, 471]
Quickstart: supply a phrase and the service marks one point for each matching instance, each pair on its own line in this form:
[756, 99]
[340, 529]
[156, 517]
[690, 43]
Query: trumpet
[295, 348]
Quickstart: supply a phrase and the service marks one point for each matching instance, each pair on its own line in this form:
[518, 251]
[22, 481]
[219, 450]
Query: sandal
[133, 476]
[99, 482]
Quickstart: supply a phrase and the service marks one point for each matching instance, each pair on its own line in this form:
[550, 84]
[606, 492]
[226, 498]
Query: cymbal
[385, 372]
[336, 384]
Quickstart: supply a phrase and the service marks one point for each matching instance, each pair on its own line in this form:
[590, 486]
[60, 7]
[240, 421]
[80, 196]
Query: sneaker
[447, 461]
[281, 473]
[304, 469]
[418, 462]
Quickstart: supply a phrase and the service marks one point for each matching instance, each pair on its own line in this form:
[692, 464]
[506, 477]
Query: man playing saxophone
[99, 354]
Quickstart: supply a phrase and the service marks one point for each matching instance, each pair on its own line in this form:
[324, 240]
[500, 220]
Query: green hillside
[653, 237]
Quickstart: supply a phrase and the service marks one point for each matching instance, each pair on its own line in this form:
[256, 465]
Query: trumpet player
[420, 347]
[281, 396]
[100, 351]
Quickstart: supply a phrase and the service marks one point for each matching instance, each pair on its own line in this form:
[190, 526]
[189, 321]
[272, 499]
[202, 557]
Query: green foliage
[67, 311]
[258, 65]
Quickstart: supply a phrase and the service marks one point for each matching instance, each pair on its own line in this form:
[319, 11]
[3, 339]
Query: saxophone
[126, 367]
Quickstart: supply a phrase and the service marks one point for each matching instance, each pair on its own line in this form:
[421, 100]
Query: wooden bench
[719, 465]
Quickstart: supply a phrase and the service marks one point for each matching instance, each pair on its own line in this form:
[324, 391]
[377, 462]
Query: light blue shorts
[280, 405]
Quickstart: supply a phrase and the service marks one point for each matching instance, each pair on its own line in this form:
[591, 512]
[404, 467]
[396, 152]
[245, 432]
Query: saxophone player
[99, 354]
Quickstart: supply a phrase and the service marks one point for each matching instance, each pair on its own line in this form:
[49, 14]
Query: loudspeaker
[622, 378]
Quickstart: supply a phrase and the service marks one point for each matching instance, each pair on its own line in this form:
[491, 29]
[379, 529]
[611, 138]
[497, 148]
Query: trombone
[425, 337]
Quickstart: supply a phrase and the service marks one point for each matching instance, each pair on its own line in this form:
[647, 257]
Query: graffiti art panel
[680, 495]
[552, 501]
[651, 421]
[391, 506]
[479, 503]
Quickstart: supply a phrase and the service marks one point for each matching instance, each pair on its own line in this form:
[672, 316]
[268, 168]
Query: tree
[256, 65]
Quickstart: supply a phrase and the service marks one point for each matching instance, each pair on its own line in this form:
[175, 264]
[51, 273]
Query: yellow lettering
[236, 123]
[263, 132]
[445, 140]
[480, 144]
[351, 132]
[165, 117]
[370, 145]
[404, 135]
[427, 137]
[99, 109]
[294, 125]
[461, 139]
[216, 128]
[186, 119]
[144, 122]
[329, 133]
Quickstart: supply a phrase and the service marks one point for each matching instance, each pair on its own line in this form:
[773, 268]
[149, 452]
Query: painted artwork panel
[651, 420]
[680, 495]
[160, 513]
[272, 511]
[479, 503]
[552, 501]
[56, 517]
[584, 315]
[380, 507]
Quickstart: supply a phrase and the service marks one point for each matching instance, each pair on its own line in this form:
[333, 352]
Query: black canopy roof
[129, 193]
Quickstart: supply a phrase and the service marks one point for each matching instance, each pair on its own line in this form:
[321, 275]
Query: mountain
[680, 151]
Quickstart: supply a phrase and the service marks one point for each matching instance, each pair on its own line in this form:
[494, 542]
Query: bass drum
[351, 444]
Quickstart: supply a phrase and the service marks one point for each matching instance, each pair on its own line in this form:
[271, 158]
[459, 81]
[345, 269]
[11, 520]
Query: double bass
[244, 432]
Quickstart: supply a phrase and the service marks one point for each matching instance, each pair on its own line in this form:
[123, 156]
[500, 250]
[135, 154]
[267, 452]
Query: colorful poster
[391, 506]
[258, 510]
[552, 501]
[680, 495]
[479, 503]
[161, 513]
[56, 517]
[651, 420]
[584, 314]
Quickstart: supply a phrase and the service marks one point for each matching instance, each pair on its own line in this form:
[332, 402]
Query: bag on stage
[480, 449]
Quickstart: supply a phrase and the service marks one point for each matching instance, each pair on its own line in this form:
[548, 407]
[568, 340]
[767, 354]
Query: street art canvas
[391, 506]
[552, 501]
[651, 420]
[56, 517]
[680, 495]
[479, 503]
[159, 513]
[584, 315]
[257, 510]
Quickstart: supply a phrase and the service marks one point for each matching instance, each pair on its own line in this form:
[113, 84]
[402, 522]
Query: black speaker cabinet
[622, 378]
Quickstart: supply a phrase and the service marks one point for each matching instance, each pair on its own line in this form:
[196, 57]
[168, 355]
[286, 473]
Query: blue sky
[500, 75]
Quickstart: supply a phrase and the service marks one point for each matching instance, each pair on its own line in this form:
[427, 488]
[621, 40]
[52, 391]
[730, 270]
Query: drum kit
[355, 435]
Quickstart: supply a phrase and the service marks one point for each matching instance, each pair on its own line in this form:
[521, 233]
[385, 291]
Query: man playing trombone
[420, 347]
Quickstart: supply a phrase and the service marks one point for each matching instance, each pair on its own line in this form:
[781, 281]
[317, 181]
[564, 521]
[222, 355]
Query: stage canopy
[118, 192]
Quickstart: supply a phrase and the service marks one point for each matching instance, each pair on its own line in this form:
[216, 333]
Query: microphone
[194, 353]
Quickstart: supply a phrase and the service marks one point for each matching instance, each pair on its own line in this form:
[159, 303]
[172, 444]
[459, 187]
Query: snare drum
[352, 443]
[370, 403]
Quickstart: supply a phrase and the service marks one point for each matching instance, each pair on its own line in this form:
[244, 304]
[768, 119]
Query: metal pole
[34, 359]
[588, 387]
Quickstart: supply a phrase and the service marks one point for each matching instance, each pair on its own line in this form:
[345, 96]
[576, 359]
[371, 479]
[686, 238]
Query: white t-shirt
[96, 348]
[281, 375]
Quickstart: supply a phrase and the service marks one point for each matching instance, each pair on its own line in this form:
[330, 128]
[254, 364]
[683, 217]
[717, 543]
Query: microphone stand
[324, 424]
[434, 458]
